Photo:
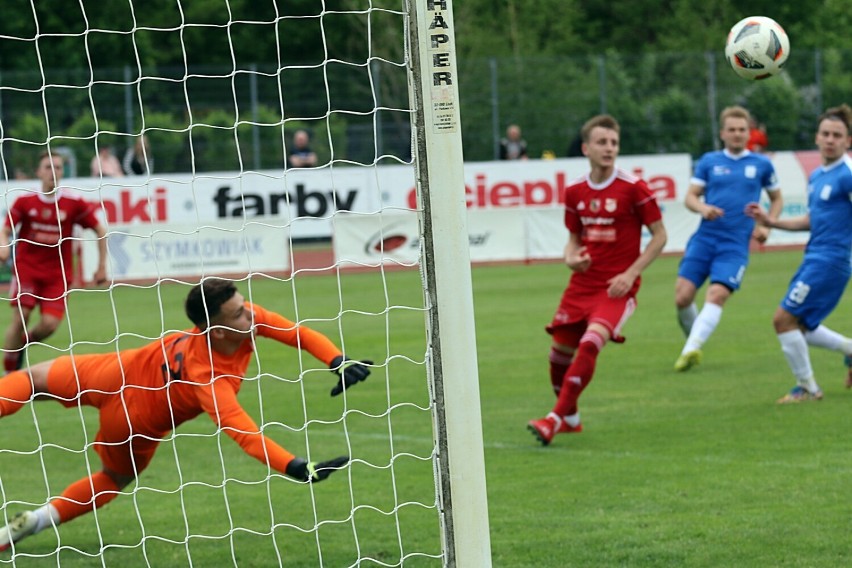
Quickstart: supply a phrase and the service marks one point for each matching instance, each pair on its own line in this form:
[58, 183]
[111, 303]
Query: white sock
[686, 318]
[795, 349]
[829, 339]
[573, 420]
[47, 516]
[704, 326]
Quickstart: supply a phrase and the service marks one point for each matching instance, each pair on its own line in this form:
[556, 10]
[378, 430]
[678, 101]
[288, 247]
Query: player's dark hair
[601, 120]
[50, 155]
[204, 301]
[842, 113]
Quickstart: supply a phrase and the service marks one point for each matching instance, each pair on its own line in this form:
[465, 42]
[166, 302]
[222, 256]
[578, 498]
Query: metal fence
[207, 119]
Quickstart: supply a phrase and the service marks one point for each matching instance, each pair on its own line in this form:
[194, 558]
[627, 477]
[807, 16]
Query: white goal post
[211, 191]
[445, 262]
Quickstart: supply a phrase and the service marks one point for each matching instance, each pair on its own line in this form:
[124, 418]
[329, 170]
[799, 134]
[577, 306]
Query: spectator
[105, 163]
[513, 147]
[758, 141]
[575, 148]
[137, 160]
[301, 155]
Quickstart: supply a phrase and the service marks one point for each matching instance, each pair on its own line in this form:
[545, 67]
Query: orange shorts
[97, 380]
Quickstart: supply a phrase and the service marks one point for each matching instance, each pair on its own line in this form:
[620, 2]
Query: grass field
[697, 469]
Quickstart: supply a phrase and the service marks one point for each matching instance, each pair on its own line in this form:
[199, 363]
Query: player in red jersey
[143, 394]
[604, 212]
[42, 225]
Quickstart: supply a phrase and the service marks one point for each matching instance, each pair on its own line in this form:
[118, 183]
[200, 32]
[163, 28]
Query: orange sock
[78, 498]
[16, 389]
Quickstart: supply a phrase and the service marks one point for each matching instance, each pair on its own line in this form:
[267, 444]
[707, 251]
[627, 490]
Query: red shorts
[30, 288]
[583, 306]
[97, 380]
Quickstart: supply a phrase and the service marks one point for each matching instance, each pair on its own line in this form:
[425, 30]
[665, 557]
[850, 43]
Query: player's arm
[696, 204]
[762, 217]
[5, 243]
[100, 274]
[776, 204]
[221, 404]
[277, 327]
[622, 284]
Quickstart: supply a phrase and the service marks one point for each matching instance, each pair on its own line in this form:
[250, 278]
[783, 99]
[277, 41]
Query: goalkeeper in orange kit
[143, 394]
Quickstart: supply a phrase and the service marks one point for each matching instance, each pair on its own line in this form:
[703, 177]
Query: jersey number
[799, 292]
[174, 373]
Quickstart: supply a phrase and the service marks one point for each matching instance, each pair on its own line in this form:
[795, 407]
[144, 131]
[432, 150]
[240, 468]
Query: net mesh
[176, 120]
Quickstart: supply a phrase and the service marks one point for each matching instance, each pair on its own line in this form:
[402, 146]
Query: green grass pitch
[695, 469]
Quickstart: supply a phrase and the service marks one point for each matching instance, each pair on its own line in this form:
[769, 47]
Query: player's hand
[580, 261]
[313, 472]
[711, 212]
[5, 253]
[349, 371]
[760, 234]
[100, 276]
[758, 213]
[620, 285]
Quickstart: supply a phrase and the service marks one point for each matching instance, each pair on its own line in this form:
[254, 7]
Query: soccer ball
[757, 47]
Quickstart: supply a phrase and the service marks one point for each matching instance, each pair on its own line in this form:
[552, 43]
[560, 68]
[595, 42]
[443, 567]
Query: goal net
[223, 138]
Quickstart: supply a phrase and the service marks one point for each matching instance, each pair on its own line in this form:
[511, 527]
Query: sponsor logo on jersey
[601, 234]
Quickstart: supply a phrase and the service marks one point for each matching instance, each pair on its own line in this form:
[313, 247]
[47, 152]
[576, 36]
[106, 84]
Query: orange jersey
[162, 385]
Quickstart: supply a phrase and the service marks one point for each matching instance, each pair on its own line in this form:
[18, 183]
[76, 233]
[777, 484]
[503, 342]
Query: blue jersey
[730, 182]
[830, 209]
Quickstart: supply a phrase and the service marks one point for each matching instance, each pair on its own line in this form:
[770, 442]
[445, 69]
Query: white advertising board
[307, 201]
[393, 238]
[171, 250]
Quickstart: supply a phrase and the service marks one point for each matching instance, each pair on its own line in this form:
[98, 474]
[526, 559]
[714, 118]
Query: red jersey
[45, 224]
[609, 219]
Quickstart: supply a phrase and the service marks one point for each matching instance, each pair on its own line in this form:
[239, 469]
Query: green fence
[210, 118]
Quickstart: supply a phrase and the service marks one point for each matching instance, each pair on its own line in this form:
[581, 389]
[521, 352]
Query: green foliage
[664, 77]
[779, 104]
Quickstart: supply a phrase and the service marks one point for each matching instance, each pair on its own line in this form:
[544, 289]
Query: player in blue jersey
[818, 285]
[727, 180]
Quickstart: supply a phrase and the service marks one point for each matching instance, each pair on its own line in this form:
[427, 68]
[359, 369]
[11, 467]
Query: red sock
[579, 375]
[16, 389]
[559, 363]
[12, 360]
[79, 497]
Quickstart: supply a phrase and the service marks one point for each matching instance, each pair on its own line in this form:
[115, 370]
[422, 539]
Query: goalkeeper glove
[313, 472]
[349, 371]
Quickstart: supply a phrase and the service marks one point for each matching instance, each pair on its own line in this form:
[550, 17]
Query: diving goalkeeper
[143, 394]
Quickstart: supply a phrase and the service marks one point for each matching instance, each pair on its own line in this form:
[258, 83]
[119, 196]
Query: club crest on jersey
[610, 204]
[750, 171]
[595, 205]
[45, 213]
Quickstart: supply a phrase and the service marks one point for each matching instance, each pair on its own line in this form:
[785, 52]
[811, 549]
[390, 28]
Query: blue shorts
[814, 292]
[721, 262]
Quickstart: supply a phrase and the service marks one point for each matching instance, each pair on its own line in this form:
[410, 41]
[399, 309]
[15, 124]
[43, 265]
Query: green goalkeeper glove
[313, 472]
[349, 371]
